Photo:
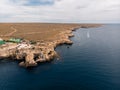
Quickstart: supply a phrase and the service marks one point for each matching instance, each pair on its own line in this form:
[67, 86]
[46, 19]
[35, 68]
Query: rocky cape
[42, 51]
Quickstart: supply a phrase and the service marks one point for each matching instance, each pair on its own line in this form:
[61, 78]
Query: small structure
[15, 40]
[22, 45]
[2, 41]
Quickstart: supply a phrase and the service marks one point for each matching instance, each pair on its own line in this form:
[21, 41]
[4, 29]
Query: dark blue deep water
[91, 63]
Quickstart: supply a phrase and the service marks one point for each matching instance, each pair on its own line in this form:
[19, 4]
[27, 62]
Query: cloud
[72, 11]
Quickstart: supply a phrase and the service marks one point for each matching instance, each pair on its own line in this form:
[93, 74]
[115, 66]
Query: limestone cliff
[30, 55]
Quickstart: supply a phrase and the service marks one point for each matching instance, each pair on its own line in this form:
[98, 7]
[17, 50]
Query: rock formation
[30, 55]
[41, 52]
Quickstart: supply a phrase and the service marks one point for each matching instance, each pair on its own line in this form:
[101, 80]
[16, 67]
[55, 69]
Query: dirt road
[10, 34]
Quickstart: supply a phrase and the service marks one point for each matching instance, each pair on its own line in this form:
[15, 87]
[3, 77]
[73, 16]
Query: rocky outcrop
[29, 60]
[40, 52]
[43, 51]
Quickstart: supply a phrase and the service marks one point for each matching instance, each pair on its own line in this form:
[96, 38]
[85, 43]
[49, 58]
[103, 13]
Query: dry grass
[35, 31]
[5, 28]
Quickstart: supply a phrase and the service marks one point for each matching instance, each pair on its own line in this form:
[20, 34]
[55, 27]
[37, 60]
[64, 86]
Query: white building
[1, 39]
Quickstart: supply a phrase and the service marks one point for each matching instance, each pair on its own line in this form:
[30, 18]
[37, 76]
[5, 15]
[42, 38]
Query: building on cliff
[2, 41]
[15, 40]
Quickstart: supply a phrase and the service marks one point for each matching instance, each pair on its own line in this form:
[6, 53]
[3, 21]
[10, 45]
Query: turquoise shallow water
[91, 63]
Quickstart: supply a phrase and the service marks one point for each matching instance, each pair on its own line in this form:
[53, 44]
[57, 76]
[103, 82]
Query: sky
[60, 11]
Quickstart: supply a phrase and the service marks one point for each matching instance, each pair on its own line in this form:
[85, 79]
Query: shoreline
[30, 55]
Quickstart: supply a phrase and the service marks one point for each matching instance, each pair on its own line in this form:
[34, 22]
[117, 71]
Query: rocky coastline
[39, 52]
[30, 55]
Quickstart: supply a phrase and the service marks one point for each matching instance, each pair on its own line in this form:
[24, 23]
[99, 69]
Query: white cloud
[61, 11]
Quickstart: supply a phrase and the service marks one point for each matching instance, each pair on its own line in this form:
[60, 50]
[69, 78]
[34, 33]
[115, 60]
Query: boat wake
[88, 34]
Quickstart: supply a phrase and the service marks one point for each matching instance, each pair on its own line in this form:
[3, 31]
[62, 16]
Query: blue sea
[91, 63]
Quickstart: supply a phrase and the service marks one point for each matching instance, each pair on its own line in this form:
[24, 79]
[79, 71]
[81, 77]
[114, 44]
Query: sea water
[91, 63]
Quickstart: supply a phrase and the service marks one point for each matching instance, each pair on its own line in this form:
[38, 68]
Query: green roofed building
[2, 42]
[15, 40]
